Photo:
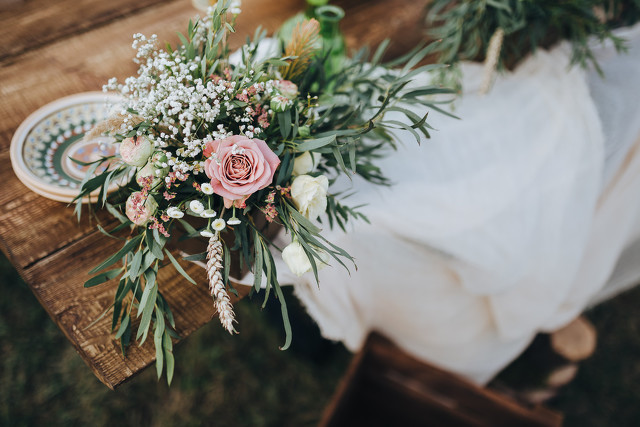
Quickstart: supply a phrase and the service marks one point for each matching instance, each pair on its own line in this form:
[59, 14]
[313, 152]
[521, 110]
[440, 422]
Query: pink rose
[238, 167]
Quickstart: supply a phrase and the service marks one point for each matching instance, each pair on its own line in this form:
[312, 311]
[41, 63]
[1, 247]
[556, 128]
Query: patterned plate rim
[19, 137]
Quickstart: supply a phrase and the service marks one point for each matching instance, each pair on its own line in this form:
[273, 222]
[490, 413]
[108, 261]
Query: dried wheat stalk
[219, 293]
[491, 60]
[303, 45]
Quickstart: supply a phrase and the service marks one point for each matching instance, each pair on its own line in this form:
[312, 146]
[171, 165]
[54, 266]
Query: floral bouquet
[211, 145]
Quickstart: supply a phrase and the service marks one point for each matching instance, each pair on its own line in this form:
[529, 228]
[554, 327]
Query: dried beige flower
[303, 45]
[218, 291]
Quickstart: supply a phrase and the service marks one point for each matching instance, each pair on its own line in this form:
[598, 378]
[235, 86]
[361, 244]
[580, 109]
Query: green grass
[246, 381]
[606, 391]
[220, 380]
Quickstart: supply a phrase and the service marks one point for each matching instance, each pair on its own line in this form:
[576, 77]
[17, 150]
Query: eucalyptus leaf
[102, 277]
[188, 227]
[136, 262]
[158, 333]
[314, 144]
[147, 311]
[167, 345]
[118, 255]
[149, 290]
[285, 317]
[196, 257]
[178, 267]
[258, 262]
[124, 325]
[284, 122]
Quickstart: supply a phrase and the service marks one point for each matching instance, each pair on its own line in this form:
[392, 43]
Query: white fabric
[508, 222]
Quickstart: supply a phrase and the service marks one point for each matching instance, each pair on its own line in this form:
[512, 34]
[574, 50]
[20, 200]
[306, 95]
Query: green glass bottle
[332, 39]
[284, 34]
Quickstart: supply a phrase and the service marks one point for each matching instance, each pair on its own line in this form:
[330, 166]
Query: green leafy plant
[219, 147]
[466, 26]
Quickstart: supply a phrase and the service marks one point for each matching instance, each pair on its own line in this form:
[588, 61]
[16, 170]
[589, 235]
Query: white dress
[506, 223]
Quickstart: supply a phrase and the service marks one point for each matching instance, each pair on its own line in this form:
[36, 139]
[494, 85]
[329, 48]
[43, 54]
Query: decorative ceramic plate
[43, 145]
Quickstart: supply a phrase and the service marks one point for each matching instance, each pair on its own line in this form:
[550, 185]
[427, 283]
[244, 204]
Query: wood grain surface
[52, 49]
[43, 21]
[386, 386]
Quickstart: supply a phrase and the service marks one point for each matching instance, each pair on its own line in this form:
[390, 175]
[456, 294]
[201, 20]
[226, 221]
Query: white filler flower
[207, 233]
[174, 212]
[218, 224]
[234, 221]
[209, 213]
[196, 206]
[206, 188]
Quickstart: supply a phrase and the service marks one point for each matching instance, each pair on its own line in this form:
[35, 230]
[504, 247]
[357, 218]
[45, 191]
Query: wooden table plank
[33, 227]
[50, 250]
[42, 21]
[84, 63]
[57, 283]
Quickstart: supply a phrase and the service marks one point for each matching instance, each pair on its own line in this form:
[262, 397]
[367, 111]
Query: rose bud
[287, 89]
[304, 163]
[304, 131]
[159, 160]
[148, 175]
[280, 104]
[296, 259]
[139, 208]
[135, 151]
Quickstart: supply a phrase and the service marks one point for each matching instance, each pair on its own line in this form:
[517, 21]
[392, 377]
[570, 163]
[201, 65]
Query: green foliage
[466, 26]
[340, 118]
[235, 381]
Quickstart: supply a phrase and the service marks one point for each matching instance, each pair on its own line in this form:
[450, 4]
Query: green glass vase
[284, 34]
[333, 43]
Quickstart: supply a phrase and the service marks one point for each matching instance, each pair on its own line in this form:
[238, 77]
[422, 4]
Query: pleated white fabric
[508, 222]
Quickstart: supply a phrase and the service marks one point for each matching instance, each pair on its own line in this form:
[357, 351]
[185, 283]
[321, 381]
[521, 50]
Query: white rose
[296, 259]
[304, 163]
[310, 195]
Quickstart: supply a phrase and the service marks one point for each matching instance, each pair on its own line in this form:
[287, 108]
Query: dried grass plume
[220, 296]
[113, 124]
[304, 43]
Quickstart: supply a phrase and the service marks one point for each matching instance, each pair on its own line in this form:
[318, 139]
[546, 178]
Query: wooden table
[51, 49]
